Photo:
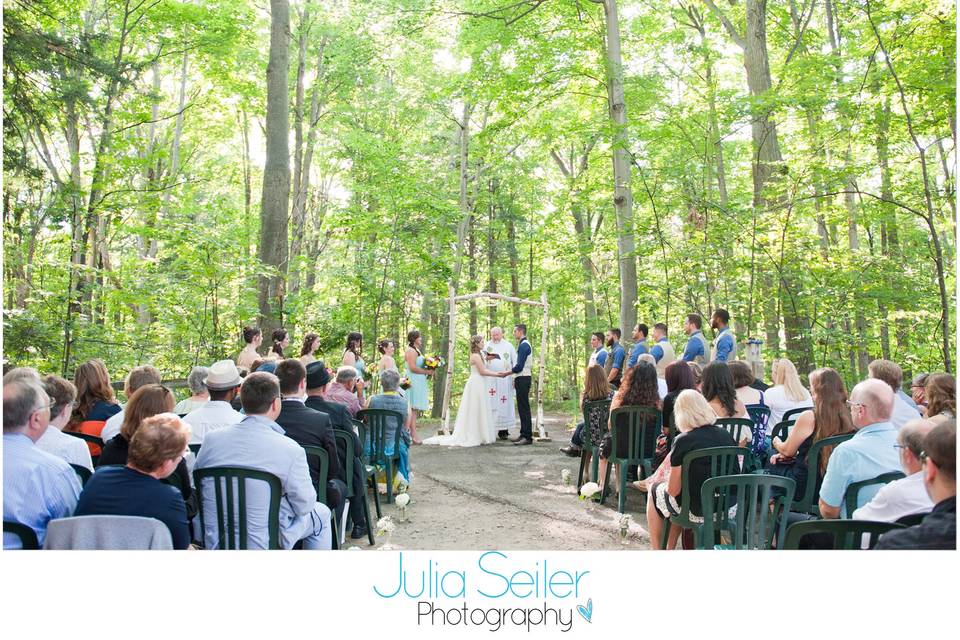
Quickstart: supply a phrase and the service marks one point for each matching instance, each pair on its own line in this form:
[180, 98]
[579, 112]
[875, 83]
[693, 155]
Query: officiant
[500, 356]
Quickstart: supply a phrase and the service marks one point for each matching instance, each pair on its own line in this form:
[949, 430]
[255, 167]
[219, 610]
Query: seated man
[258, 442]
[906, 496]
[869, 453]
[891, 374]
[138, 377]
[156, 449]
[317, 380]
[343, 389]
[939, 529]
[74, 450]
[391, 400]
[309, 427]
[222, 382]
[37, 487]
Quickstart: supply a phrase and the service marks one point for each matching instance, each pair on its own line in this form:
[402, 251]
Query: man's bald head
[876, 398]
[496, 333]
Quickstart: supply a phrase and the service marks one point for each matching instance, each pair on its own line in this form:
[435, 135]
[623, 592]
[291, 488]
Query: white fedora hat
[223, 375]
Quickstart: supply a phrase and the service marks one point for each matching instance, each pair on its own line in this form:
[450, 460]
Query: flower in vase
[385, 525]
[588, 490]
[402, 500]
[565, 476]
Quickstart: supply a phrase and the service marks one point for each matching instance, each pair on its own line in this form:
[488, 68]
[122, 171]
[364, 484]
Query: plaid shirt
[336, 392]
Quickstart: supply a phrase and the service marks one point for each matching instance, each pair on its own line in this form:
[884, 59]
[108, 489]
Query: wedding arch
[454, 299]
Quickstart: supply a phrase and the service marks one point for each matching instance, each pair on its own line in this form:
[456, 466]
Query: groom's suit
[522, 384]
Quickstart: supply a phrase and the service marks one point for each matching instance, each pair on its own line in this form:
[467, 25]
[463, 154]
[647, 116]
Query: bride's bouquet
[433, 362]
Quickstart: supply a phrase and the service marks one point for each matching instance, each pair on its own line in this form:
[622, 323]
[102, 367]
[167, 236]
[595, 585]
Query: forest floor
[506, 497]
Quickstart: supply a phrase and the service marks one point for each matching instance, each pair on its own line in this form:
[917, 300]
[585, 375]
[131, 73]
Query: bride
[475, 424]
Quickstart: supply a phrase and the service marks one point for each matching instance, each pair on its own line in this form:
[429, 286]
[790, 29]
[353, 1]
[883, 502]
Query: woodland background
[174, 170]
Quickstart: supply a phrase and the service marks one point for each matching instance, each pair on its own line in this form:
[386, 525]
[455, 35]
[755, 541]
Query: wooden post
[445, 415]
[542, 432]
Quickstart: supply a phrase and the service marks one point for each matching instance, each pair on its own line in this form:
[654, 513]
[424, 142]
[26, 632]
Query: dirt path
[502, 496]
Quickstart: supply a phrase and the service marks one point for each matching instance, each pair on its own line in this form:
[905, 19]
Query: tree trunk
[492, 252]
[276, 173]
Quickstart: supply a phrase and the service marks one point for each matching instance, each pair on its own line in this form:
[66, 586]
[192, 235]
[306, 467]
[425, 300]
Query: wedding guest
[662, 351]
[37, 487]
[595, 387]
[694, 418]
[155, 452]
[619, 356]
[389, 399]
[54, 441]
[599, 354]
[639, 348]
[137, 378]
[661, 380]
[697, 370]
[679, 378]
[891, 373]
[417, 396]
[940, 393]
[253, 338]
[387, 348]
[258, 443]
[21, 373]
[721, 393]
[198, 390]
[148, 401]
[939, 528]
[725, 344]
[280, 340]
[751, 398]
[311, 342]
[697, 349]
[223, 383]
[95, 402]
[787, 392]
[906, 496]
[639, 389]
[917, 392]
[828, 417]
[343, 389]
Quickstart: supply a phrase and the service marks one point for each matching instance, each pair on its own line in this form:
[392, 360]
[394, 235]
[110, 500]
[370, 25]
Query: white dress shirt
[212, 415]
[72, 449]
[662, 388]
[896, 499]
[902, 412]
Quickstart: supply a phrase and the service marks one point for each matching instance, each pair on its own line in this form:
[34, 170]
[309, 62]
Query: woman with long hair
[940, 392]
[280, 340]
[95, 402]
[387, 348]
[416, 373]
[679, 377]
[311, 342]
[829, 417]
[252, 338]
[720, 392]
[637, 389]
[595, 387]
[787, 392]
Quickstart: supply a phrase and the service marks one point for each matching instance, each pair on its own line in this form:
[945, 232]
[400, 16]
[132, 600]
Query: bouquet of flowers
[405, 383]
[433, 362]
[371, 370]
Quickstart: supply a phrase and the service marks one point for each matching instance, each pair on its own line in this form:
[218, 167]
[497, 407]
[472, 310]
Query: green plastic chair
[82, 472]
[344, 440]
[805, 504]
[847, 534]
[322, 476]
[781, 430]
[793, 414]
[851, 497]
[760, 517]
[230, 485]
[735, 426]
[638, 427]
[370, 472]
[96, 440]
[913, 519]
[723, 461]
[593, 448]
[377, 425]
[28, 537]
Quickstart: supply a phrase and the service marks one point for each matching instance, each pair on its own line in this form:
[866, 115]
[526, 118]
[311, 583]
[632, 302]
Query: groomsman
[639, 348]
[599, 355]
[619, 356]
[521, 384]
[697, 349]
[725, 344]
[662, 352]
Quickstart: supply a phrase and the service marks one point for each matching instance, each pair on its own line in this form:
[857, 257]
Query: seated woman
[720, 392]
[638, 389]
[829, 417]
[694, 418]
[200, 396]
[940, 392]
[95, 402]
[147, 401]
[786, 394]
[743, 377]
[679, 378]
[595, 387]
[390, 399]
[135, 489]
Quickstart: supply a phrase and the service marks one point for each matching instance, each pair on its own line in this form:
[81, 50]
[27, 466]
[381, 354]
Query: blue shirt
[601, 356]
[122, 491]
[657, 351]
[523, 352]
[638, 350]
[37, 487]
[259, 443]
[619, 355]
[694, 346]
[868, 454]
[724, 345]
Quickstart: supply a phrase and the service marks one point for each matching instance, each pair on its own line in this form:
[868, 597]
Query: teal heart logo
[586, 611]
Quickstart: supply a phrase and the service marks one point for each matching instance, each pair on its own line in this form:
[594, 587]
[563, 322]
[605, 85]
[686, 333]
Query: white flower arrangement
[565, 476]
[624, 520]
[354, 548]
[402, 500]
[588, 490]
[385, 525]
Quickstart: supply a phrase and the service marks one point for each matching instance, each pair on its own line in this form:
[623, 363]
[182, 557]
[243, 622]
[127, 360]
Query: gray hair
[389, 380]
[346, 373]
[876, 397]
[21, 398]
[646, 357]
[196, 378]
[21, 373]
[911, 435]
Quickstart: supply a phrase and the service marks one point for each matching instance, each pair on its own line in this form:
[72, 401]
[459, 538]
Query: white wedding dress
[474, 425]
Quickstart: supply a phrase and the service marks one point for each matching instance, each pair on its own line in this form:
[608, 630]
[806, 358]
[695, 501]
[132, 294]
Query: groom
[522, 384]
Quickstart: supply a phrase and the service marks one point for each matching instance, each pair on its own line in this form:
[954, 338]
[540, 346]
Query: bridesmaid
[311, 342]
[253, 337]
[417, 396]
[387, 348]
[352, 358]
[281, 340]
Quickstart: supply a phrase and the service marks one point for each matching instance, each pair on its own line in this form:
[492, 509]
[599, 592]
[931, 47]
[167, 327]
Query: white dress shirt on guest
[73, 450]
[211, 416]
[902, 412]
[899, 498]
[112, 427]
[662, 388]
